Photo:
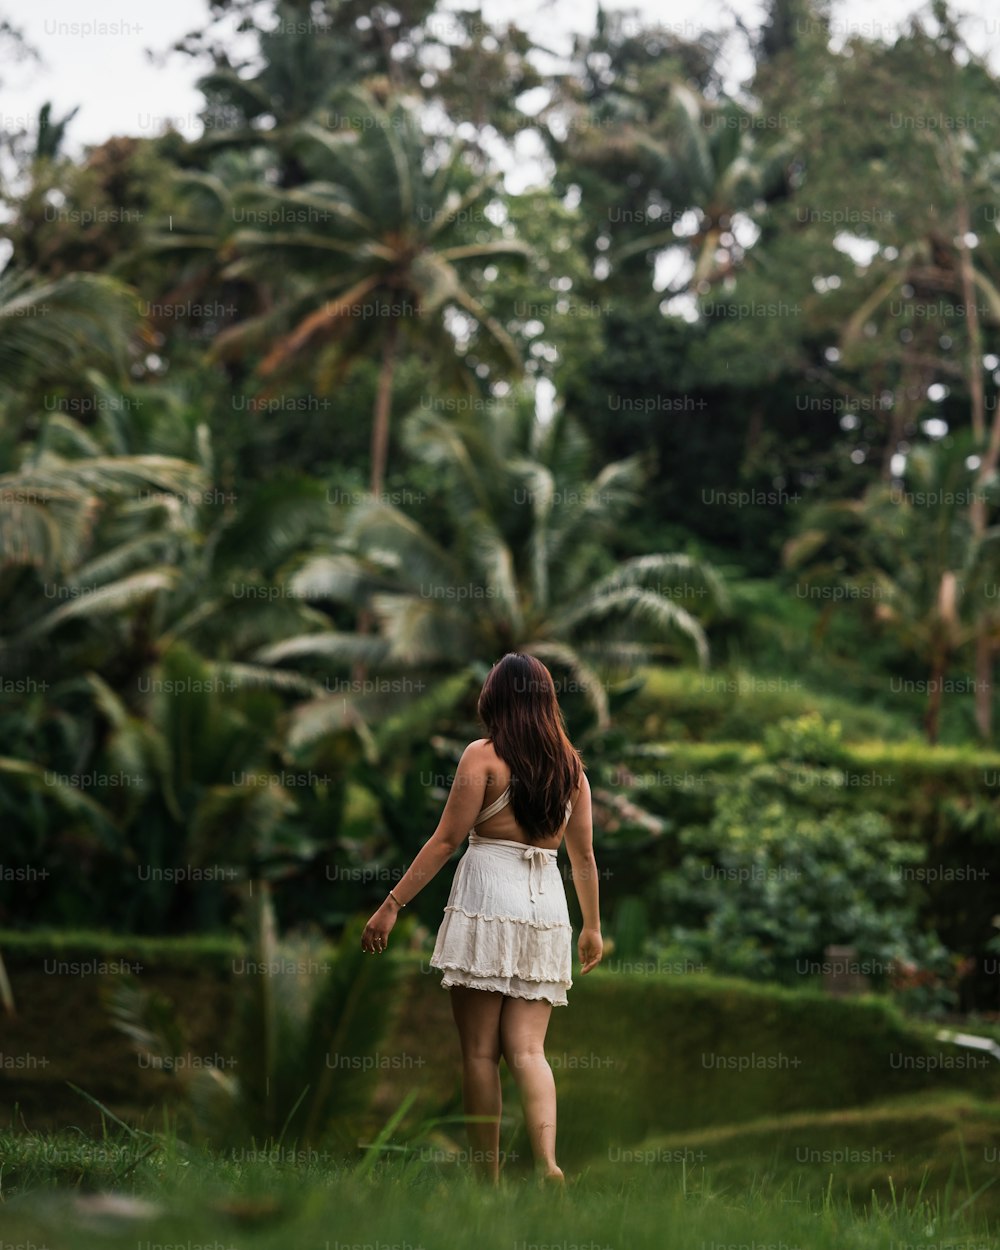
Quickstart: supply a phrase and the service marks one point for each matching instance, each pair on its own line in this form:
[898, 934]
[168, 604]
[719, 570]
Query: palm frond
[108, 600]
[584, 676]
[46, 325]
[637, 606]
[333, 647]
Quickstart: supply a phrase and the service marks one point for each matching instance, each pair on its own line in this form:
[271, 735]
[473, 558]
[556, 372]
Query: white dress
[506, 924]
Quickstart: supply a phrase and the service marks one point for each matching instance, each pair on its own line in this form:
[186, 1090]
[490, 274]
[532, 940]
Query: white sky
[119, 91]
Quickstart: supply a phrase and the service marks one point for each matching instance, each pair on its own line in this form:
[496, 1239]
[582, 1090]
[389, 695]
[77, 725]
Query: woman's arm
[580, 847]
[465, 801]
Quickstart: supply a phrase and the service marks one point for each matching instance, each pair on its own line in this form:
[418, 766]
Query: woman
[505, 942]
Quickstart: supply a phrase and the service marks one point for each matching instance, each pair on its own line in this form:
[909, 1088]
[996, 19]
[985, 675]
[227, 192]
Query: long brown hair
[523, 720]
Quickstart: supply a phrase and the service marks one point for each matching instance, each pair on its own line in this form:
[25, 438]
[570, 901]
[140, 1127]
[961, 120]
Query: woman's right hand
[590, 948]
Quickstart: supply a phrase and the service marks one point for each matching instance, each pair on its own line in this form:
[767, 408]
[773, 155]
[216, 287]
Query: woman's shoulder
[486, 750]
[484, 753]
[481, 750]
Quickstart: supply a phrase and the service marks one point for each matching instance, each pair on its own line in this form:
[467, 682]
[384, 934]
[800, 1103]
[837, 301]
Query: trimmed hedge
[944, 799]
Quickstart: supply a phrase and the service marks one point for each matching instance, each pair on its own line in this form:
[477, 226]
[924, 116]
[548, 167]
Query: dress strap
[493, 808]
[502, 802]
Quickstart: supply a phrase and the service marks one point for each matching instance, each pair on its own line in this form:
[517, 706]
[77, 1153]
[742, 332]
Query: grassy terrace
[708, 1109]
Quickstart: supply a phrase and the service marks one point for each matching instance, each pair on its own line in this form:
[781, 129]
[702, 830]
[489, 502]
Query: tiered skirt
[506, 925]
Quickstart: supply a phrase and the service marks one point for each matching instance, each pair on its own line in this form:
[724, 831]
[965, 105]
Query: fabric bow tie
[536, 856]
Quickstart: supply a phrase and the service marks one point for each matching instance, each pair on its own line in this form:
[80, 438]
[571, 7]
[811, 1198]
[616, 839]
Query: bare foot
[553, 1176]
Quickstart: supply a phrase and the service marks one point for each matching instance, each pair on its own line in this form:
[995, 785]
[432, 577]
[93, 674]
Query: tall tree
[521, 564]
[912, 558]
[380, 252]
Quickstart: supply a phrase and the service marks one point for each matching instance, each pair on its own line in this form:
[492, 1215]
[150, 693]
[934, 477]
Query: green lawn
[157, 1193]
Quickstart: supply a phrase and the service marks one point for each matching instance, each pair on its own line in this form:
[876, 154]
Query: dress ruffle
[510, 987]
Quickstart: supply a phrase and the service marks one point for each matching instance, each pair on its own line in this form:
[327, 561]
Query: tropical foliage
[431, 345]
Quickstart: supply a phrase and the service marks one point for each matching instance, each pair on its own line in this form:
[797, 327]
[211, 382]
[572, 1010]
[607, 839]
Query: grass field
[847, 1149]
[70, 1193]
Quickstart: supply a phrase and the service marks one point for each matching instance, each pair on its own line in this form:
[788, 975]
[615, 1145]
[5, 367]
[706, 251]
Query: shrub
[788, 865]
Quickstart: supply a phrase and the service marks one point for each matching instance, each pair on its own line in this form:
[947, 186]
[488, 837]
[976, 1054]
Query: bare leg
[523, 1022]
[477, 1015]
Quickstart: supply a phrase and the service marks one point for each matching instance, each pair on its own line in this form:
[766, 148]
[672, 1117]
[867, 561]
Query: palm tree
[518, 561]
[115, 575]
[647, 123]
[54, 493]
[194, 243]
[708, 160]
[301, 64]
[929, 268]
[51, 132]
[50, 504]
[94, 528]
[61, 327]
[913, 553]
[375, 251]
[941, 262]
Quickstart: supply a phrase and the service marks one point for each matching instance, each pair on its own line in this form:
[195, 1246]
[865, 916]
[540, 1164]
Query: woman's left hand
[377, 930]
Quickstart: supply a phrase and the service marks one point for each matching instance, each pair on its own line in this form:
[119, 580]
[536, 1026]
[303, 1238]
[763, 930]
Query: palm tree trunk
[977, 509]
[706, 256]
[383, 408]
[6, 994]
[972, 321]
[916, 376]
[894, 433]
[754, 431]
[932, 717]
[984, 681]
[379, 454]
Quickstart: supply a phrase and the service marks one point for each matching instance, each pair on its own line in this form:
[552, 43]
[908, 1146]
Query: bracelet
[396, 900]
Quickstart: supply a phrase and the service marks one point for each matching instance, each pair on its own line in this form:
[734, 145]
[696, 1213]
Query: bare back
[502, 824]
